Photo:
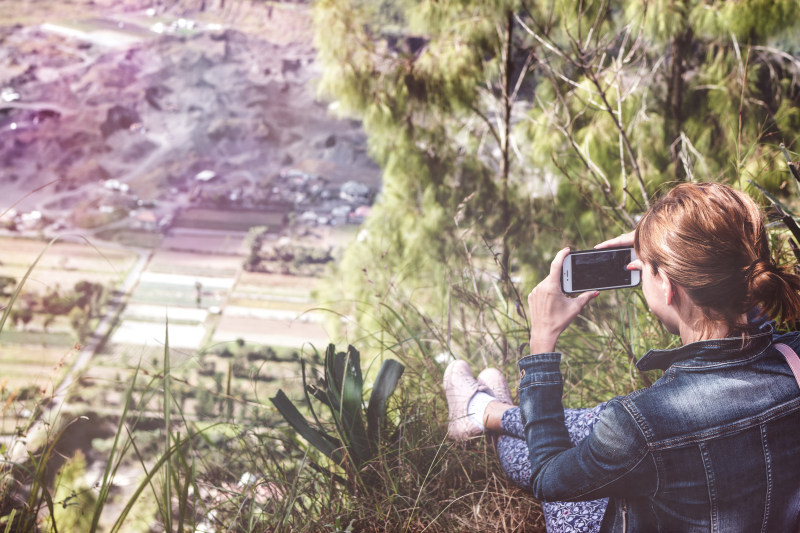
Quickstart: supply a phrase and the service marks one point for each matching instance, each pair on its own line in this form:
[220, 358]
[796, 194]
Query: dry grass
[422, 482]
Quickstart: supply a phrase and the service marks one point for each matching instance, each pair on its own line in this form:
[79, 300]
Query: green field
[264, 303]
[239, 220]
[80, 255]
[32, 356]
[9, 338]
[62, 264]
[174, 295]
[26, 365]
[195, 269]
[131, 237]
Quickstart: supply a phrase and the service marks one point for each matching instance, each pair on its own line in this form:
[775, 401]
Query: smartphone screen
[588, 270]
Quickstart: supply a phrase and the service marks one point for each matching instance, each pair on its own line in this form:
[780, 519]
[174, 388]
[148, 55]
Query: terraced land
[63, 263]
[212, 319]
[37, 354]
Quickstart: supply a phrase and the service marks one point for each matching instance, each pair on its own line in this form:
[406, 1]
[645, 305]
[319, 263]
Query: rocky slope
[151, 99]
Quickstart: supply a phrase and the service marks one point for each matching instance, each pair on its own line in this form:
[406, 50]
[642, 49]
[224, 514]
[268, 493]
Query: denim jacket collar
[709, 351]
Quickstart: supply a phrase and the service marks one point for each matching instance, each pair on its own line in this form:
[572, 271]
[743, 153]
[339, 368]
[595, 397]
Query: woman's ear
[670, 290]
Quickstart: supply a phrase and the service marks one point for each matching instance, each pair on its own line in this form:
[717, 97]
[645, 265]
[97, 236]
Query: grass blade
[105, 486]
[334, 368]
[786, 217]
[10, 520]
[789, 163]
[18, 289]
[147, 481]
[780, 206]
[313, 390]
[385, 384]
[167, 433]
[315, 437]
[351, 407]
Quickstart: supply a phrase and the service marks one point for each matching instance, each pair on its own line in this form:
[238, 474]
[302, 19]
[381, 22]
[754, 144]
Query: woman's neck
[703, 330]
[689, 335]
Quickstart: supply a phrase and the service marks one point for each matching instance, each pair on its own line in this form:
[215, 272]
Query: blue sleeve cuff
[540, 369]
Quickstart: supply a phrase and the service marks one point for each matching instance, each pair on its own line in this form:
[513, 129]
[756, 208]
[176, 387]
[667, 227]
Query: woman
[713, 445]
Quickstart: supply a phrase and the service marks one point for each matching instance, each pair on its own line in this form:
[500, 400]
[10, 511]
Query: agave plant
[340, 389]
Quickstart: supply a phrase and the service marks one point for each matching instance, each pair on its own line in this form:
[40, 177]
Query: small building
[146, 220]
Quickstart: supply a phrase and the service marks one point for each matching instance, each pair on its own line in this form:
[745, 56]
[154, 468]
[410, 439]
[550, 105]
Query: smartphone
[597, 270]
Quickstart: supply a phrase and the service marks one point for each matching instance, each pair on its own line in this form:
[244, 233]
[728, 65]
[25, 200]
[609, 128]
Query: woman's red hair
[710, 239]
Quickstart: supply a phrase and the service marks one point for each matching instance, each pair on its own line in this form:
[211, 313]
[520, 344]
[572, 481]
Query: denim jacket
[713, 445]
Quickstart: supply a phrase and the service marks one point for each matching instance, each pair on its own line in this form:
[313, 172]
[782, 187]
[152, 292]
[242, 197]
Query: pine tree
[476, 110]
[438, 86]
[671, 91]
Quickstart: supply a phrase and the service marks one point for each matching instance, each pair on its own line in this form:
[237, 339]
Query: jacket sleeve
[612, 461]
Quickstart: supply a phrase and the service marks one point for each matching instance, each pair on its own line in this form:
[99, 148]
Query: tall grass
[33, 496]
[253, 473]
[227, 474]
[421, 481]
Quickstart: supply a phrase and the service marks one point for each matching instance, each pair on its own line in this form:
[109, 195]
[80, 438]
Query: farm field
[204, 242]
[41, 367]
[217, 319]
[216, 316]
[35, 355]
[239, 220]
[274, 310]
[62, 264]
[67, 255]
[276, 332]
[176, 289]
[170, 261]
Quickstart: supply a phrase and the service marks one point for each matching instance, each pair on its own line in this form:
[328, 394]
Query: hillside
[149, 99]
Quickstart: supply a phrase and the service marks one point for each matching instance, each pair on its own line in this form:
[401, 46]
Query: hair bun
[769, 286]
[758, 272]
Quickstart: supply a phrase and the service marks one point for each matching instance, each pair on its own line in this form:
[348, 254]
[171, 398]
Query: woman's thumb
[586, 297]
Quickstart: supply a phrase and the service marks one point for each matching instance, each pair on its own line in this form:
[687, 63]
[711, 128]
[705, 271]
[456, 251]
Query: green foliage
[29, 497]
[22, 314]
[786, 214]
[7, 282]
[73, 497]
[751, 20]
[505, 131]
[89, 295]
[79, 321]
[355, 442]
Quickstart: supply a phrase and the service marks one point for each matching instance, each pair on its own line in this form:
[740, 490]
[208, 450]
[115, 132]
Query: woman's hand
[551, 310]
[626, 239]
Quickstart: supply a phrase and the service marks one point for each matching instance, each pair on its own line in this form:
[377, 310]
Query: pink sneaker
[496, 382]
[459, 388]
